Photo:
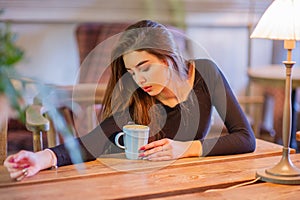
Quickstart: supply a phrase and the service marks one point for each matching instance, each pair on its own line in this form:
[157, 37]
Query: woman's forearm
[194, 149]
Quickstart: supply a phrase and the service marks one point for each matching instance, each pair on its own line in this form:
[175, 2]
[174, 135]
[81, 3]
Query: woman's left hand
[167, 149]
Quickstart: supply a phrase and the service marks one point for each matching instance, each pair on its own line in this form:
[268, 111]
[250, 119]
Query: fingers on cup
[155, 144]
[154, 150]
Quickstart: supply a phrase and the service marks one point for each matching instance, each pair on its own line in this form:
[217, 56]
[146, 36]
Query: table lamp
[281, 21]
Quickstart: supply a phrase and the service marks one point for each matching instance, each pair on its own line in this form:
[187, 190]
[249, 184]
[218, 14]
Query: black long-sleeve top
[187, 121]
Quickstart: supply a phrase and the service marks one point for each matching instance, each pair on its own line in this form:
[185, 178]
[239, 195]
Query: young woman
[152, 84]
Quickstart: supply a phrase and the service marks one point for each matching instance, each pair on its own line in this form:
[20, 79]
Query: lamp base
[288, 180]
[283, 173]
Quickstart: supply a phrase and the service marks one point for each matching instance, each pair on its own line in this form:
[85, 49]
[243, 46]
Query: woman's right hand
[26, 163]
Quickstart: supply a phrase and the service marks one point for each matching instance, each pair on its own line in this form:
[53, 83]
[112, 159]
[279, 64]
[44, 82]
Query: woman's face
[148, 71]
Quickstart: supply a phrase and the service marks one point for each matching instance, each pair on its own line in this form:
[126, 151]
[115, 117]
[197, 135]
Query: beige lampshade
[281, 21]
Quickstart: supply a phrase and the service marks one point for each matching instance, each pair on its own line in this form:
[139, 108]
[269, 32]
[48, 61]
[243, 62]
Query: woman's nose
[140, 79]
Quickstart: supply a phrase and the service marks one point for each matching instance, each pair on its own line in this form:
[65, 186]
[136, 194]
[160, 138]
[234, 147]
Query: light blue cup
[135, 136]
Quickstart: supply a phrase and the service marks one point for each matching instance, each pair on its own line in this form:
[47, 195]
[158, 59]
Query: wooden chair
[253, 107]
[63, 99]
[20, 84]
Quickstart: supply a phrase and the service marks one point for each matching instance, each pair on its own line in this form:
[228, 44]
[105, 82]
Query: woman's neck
[168, 98]
[178, 91]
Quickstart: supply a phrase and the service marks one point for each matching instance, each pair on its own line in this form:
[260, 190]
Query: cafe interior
[64, 49]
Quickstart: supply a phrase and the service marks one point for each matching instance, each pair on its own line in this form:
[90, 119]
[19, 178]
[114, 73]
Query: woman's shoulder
[207, 68]
[205, 63]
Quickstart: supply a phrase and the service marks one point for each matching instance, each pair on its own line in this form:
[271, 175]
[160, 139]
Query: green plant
[10, 54]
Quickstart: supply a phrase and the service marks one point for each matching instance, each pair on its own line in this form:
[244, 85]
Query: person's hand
[167, 149]
[23, 164]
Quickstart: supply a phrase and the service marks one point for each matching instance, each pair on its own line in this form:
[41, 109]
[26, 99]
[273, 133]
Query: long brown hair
[122, 92]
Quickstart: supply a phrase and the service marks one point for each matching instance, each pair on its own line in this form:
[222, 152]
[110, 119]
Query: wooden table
[115, 177]
[274, 75]
[257, 190]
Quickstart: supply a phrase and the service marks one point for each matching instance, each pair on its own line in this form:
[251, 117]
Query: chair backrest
[89, 35]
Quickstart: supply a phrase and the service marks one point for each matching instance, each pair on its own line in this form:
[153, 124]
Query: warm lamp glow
[281, 21]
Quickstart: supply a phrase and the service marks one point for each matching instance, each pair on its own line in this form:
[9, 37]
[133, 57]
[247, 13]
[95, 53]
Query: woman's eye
[145, 68]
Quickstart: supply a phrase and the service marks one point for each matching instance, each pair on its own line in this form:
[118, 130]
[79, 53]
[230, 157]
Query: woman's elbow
[251, 143]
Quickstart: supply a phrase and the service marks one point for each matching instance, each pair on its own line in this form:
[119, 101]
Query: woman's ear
[191, 73]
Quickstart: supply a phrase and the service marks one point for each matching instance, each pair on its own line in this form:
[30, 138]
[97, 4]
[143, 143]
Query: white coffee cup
[135, 136]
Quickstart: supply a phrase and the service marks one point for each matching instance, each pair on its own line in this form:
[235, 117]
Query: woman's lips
[147, 88]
